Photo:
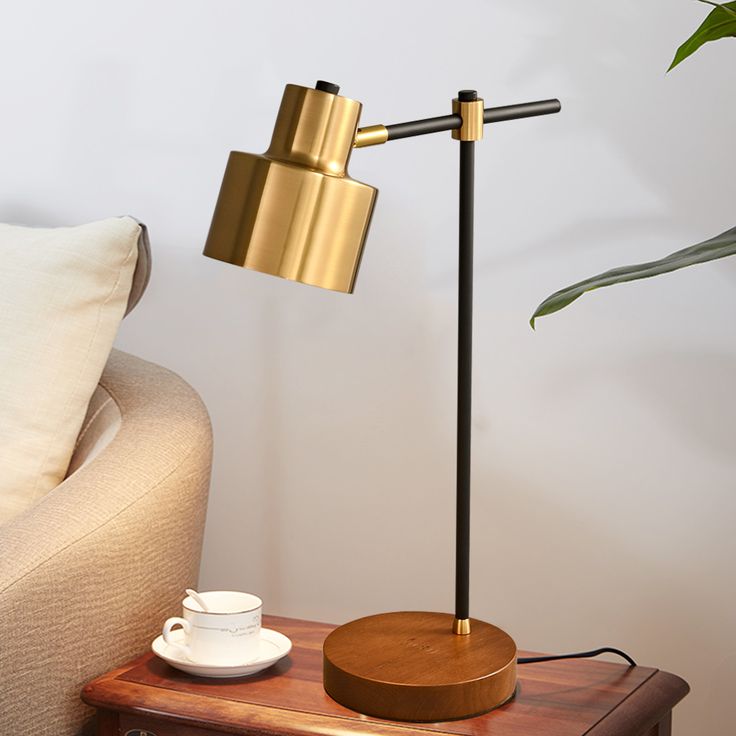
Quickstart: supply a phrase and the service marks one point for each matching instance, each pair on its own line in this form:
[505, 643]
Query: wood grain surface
[410, 666]
[565, 698]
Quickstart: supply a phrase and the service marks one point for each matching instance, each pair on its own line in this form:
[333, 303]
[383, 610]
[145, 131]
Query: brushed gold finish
[461, 626]
[315, 129]
[472, 115]
[371, 135]
[293, 211]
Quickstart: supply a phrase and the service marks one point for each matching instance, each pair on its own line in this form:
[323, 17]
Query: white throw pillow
[63, 292]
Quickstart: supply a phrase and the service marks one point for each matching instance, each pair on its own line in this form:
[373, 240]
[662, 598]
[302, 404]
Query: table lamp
[294, 212]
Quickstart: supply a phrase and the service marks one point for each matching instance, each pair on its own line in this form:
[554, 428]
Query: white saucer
[274, 646]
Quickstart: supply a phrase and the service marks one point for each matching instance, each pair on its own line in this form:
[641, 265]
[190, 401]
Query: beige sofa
[90, 573]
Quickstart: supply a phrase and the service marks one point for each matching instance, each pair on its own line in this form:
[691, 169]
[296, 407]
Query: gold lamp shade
[293, 211]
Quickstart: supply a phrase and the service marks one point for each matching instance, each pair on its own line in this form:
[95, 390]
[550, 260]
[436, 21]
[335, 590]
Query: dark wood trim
[229, 716]
[647, 710]
[107, 723]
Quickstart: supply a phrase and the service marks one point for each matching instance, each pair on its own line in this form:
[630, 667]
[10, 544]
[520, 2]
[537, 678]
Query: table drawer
[132, 725]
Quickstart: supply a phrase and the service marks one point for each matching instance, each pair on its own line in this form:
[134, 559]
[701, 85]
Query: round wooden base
[409, 666]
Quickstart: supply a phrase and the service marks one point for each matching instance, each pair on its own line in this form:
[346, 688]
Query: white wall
[603, 473]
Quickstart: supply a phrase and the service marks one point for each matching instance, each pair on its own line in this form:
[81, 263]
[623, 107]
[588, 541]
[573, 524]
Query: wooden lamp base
[410, 666]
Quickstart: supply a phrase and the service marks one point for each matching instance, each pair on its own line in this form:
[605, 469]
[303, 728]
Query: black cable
[577, 655]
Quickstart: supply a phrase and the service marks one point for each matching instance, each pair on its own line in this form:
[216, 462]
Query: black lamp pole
[465, 312]
[464, 370]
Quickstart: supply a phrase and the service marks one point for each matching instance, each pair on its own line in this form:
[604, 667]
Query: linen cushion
[100, 425]
[63, 292]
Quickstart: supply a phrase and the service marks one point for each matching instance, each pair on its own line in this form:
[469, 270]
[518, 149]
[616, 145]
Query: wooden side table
[565, 698]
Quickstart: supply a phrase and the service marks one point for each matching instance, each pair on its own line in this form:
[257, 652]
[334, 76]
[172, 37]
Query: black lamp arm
[375, 134]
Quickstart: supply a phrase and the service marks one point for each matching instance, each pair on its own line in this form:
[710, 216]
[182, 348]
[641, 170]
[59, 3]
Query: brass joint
[370, 136]
[472, 115]
[461, 626]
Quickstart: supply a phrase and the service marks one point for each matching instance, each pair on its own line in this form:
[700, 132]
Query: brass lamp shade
[294, 212]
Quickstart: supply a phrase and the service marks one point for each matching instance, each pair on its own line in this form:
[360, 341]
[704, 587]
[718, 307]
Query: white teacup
[228, 634]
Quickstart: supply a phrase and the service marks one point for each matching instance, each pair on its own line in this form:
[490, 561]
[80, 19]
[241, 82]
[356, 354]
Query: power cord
[577, 655]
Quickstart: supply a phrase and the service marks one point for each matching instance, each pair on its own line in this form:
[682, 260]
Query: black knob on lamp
[330, 87]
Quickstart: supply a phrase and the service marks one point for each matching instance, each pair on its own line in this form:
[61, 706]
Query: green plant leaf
[720, 23]
[719, 247]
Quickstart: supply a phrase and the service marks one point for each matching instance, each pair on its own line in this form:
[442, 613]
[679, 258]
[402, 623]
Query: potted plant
[720, 23]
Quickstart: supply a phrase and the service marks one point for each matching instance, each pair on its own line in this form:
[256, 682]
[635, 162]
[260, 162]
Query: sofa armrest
[88, 575]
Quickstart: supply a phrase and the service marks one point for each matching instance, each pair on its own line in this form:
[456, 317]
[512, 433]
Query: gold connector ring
[371, 135]
[472, 115]
[461, 626]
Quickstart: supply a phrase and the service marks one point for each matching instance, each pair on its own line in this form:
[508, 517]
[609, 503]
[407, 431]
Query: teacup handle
[168, 626]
